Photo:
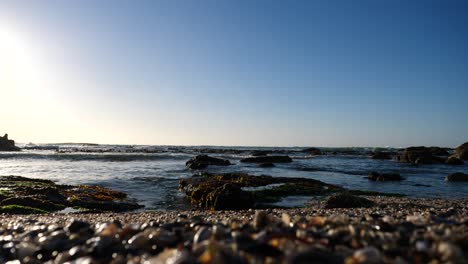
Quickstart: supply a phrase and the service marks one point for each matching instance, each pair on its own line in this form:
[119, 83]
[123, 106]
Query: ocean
[151, 173]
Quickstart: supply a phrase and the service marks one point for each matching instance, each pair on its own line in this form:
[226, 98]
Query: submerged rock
[458, 176]
[7, 144]
[375, 176]
[462, 151]
[267, 159]
[346, 200]
[203, 161]
[24, 195]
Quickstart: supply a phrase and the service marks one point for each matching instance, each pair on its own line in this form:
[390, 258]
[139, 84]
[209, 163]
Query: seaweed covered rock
[230, 197]
[346, 200]
[216, 191]
[203, 161]
[23, 195]
[7, 144]
[375, 176]
[461, 151]
[458, 176]
[423, 155]
[267, 159]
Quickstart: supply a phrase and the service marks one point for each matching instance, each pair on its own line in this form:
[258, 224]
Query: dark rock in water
[458, 176]
[345, 200]
[203, 161]
[422, 185]
[230, 197]
[312, 151]
[375, 176]
[381, 155]
[462, 151]
[267, 159]
[422, 155]
[210, 191]
[437, 151]
[7, 144]
[454, 160]
[258, 153]
[266, 165]
[25, 195]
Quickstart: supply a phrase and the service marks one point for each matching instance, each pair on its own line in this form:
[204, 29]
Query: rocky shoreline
[392, 230]
[21, 195]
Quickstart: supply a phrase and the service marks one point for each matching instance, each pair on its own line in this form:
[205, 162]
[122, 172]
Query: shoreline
[315, 207]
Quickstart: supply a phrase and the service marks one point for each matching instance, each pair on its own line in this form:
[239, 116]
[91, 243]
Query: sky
[258, 73]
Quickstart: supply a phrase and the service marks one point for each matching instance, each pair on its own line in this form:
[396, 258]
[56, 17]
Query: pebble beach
[394, 230]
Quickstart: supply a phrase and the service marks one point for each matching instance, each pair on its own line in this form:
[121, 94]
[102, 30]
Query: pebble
[427, 232]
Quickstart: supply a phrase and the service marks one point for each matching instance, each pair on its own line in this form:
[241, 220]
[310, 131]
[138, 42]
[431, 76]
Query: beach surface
[394, 230]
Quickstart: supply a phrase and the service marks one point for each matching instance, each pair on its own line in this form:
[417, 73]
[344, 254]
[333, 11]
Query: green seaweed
[275, 194]
[18, 209]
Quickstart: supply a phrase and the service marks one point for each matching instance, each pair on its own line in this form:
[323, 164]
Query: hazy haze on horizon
[260, 73]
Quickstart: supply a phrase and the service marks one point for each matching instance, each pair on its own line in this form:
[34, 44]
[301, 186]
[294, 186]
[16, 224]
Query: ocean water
[151, 173]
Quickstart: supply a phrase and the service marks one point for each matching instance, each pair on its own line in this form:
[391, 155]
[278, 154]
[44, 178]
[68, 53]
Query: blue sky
[309, 73]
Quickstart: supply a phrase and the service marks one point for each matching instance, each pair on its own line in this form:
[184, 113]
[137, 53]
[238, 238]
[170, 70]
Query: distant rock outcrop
[7, 144]
[423, 155]
[203, 161]
[312, 151]
[461, 151]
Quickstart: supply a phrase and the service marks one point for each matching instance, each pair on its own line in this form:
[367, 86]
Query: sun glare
[20, 71]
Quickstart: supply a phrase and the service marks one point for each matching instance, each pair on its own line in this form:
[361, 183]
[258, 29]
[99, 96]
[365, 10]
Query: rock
[316, 256]
[229, 197]
[7, 144]
[454, 160]
[203, 161]
[458, 176]
[267, 159]
[437, 151]
[220, 191]
[462, 151]
[422, 155]
[312, 151]
[32, 202]
[258, 153]
[381, 155]
[21, 194]
[266, 165]
[368, 255]
[345, 200]
[375, 176]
